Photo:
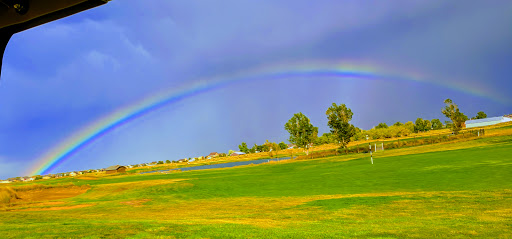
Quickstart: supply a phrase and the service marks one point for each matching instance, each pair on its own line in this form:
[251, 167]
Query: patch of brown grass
[136, 203]
[39, 187]
[117, 188]
[7, 195]
[57, 208]
[34, 193]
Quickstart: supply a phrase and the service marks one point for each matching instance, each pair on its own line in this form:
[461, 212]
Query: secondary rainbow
[79, 140]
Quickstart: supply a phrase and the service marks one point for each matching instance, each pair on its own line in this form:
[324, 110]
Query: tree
[302, 132]
[273, 147]
[409, 125]
[339, 117]
[167, 161]
[381, 126]
[282, 146]
[230, 152]
[243, 148]
[254, 148]
[480, 115]
[398, 124]
[448, 124]
[436, 124]
[428, 125]
[326, 138]
[452, 112]
[420, 125]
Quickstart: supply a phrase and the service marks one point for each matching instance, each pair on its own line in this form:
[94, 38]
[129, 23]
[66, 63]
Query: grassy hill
[443, 190]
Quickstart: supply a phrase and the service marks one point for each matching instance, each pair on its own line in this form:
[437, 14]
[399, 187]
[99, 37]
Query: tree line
[304, 134]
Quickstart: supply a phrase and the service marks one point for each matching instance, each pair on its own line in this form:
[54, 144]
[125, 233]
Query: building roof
[212, 153]
[115, 167]
[484, 120]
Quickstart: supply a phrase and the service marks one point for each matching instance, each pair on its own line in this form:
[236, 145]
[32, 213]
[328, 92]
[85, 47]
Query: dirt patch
[118, 188]
[136, 203]
[57, 208]
[47, 194]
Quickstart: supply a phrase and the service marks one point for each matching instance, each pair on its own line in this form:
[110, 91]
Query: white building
[487, 121]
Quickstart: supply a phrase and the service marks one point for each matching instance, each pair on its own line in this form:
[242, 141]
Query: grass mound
[7, 194]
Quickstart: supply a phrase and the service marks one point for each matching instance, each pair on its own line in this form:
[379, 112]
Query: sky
[62, 77]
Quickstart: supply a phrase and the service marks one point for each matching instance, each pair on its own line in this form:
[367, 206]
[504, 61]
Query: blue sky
[61, 77]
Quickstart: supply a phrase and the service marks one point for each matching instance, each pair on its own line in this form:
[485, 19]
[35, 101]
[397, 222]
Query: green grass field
[454, 190]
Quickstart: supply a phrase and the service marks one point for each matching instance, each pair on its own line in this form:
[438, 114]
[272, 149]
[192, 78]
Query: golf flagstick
[371, 155]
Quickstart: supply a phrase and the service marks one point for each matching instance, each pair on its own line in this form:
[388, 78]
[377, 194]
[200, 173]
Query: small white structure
[5, 181]
[487, 121]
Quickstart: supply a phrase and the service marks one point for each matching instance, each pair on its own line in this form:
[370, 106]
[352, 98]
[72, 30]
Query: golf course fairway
[454, 190]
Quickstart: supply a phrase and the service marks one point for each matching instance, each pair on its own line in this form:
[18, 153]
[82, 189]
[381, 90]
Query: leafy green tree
[428, 125]
[230, 152]
[480, 115]
[243, 148]
[167, 161]
[398, 124]
[160, 162]
[359, 135]
[452, 112]
[436, 124]
[273, 148]
[254, 148]
[282, 146]
[339, 117]
[420, 125]
[326, 138]
[399, 131]
[262, 148]
[302, 132]
[381, 126]
[409, 125]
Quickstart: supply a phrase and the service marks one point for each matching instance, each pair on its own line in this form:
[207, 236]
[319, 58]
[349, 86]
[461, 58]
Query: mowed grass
[446, 190]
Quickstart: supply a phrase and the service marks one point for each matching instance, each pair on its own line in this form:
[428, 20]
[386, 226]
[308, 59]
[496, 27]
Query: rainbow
[79, 140]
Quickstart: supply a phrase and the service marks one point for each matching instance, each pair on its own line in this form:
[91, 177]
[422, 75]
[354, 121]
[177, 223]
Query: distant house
[72, 174]
[12, 180]
[213, 154]
[237, 153]
[291, 146]
[47, 177]
[27, 179]
[115, 169]
[5, 181]
[487, 121]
